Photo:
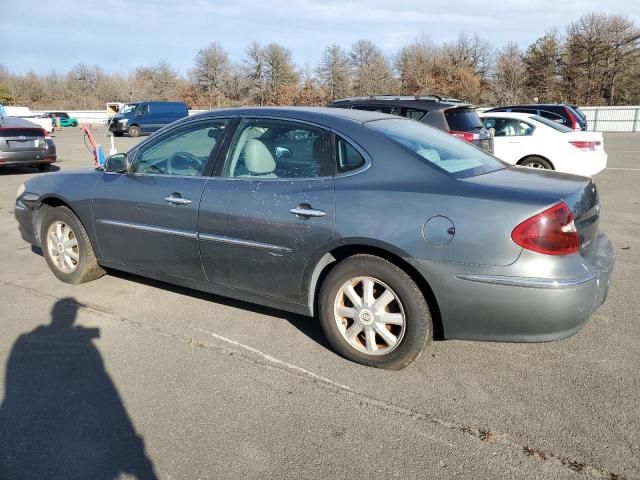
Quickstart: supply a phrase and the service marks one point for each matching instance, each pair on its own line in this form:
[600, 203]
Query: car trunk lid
[579, 193]
[22, 138]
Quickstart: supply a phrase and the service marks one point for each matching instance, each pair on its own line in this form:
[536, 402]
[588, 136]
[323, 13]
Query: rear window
[437, 148]
[463, 120]
[550, 123]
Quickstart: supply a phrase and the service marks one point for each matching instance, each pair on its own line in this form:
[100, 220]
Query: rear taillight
[466, 136]
[585, 145]
[573, 122]
[551, 232]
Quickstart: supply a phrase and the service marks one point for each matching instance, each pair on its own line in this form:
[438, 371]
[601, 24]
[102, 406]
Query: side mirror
[116, 163]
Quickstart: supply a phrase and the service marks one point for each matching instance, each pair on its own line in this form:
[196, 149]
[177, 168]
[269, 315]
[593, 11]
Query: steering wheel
[181, 161]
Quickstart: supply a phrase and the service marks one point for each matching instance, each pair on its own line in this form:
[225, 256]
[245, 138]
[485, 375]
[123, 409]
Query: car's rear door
[147, 218]
[269, 207]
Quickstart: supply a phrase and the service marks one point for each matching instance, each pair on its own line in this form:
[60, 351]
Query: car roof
[302, 113]
[417, 102]
[519, 116]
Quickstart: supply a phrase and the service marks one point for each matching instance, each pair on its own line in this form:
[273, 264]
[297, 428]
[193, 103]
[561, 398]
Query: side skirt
[234, 293]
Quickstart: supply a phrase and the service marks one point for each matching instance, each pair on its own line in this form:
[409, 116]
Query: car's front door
[147, 218]
[269, 207]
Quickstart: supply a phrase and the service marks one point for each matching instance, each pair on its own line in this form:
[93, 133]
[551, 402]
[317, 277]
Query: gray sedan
[387, 230]
[25, 143]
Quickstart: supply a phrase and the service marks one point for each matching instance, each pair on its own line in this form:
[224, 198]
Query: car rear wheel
[373, 313]
[67, 248]
[536, 162]
[134, 131]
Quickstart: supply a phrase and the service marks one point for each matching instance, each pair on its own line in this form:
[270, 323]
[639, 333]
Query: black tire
[87, 268]
[418, 329]
[44, 167]
[134, 131]
[536, 162]
[118, 134]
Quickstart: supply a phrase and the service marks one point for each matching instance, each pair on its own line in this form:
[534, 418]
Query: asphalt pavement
[126, 377]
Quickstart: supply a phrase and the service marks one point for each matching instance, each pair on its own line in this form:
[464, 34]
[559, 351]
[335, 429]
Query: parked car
[564, 114]
[63, 117]
[25, 143]
[139, 118]
[537, 142]
[451, 115]
[26, 114]
[383, 227]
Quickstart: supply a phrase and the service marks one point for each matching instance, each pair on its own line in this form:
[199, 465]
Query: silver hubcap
[369, 316]
[62, 246]
[536, 165]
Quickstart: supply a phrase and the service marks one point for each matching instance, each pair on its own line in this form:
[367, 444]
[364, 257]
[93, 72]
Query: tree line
[592, 61]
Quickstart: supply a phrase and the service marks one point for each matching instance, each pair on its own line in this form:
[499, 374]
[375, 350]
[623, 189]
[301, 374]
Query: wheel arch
[336, 254]
[50, 201]
[535, 155]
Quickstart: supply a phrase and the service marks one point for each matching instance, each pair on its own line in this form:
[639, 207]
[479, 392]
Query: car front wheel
[67, 248]
[134, 131]
[373, 313]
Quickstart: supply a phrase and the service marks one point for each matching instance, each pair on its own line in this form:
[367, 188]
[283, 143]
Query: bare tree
[211, 72]
[372, 72]
[256, 64]
[509, 84]
[334, 72]
[282, 78]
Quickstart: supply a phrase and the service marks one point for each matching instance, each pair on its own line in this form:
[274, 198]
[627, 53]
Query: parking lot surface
[134, 378]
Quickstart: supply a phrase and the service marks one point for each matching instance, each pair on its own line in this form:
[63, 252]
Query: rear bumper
[498, 304]
[21, 157]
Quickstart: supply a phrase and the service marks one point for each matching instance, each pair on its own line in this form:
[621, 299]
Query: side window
[414, 114]
[347, 156]
[374, 108]
[490, 124]
[142, 110]
[552, 116]
[266, 148]
[509, 127]
[184, 151]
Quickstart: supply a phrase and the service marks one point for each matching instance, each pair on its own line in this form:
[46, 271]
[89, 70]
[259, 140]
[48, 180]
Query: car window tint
[438, 148]
[552, 116]
[414, 114]
[373, 108]
[265, 148]
[463, 120]
[347, 156]
[185, 151]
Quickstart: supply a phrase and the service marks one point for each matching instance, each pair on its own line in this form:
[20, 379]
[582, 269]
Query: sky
[120, 35]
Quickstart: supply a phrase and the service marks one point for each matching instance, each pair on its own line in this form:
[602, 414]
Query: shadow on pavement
[306, 325]
[62, 416]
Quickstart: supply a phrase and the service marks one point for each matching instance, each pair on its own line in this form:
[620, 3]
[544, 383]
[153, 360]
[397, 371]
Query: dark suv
[568, 115]
[451, 115]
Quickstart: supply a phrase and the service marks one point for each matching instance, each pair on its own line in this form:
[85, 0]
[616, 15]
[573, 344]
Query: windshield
[437, 148]
[550, 123]
[128, 108]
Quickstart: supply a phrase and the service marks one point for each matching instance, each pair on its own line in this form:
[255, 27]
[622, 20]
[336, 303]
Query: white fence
[613, 119]
[602, 119]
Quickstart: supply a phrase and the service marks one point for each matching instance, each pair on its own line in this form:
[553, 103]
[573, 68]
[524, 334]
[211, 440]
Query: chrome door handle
[177, 200]
[307, 212]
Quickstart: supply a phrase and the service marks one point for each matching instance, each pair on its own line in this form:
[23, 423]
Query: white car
[27, 114]
[534, 141]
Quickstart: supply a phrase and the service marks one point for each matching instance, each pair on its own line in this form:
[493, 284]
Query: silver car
[387, 230]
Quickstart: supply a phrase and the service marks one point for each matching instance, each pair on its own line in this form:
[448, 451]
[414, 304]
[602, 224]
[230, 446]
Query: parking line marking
[274, 359]
[621, 168]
